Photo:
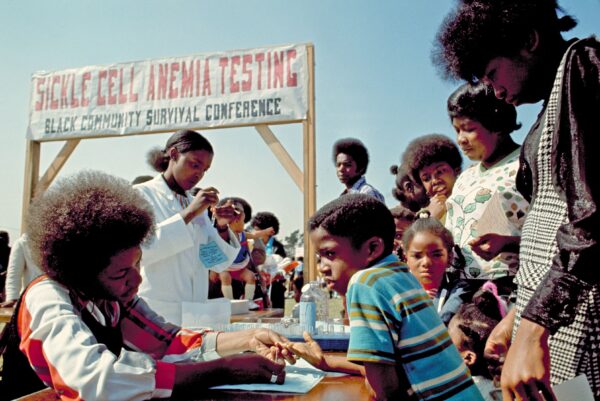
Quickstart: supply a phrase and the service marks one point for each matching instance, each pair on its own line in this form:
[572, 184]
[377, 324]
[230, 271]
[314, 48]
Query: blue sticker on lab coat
[211, 255]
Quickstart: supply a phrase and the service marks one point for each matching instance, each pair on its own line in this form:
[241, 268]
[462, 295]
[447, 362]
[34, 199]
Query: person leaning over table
[81, 328]
[395, 332]
[517, 47]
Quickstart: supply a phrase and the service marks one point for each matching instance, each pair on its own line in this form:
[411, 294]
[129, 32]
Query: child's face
[427, 259]
[438, 179]
[338, 260]
[401, 226]
[458, 339]
[188, 168]
[346, 168]
[121, 278]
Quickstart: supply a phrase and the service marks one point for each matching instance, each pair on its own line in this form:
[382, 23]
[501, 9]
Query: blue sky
[374, 81]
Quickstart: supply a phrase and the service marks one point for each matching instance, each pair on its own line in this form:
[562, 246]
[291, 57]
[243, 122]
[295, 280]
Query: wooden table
[5, 314]
[253, 316]
[346, 388]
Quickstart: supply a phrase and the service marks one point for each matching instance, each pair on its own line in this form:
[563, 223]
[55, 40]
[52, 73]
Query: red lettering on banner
[268, 70]
[74, 100]
[39, 104]
[173, 92]
[122, 95]
[197, 78]
[150, 95]
[54, 102]
[292, 78]
[163, 71]
[206, 82]
[278, 67]
[223, 61]
[247, 83]
[64, 84]
[187, 80]
[84, 78]
[133, 97]
[101, 75]
[234, 85]
[112, 74]
[259, 58]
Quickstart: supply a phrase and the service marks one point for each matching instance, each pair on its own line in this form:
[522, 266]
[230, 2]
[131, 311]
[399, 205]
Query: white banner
[232, 88]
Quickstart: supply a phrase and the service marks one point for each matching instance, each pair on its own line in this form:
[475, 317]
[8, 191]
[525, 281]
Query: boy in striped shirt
[395, 331]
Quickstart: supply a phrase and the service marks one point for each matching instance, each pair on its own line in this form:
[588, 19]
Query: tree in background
[292, 241]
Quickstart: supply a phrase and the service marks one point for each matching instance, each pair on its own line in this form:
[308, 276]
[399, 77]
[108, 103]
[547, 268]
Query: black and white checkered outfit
[574, 349]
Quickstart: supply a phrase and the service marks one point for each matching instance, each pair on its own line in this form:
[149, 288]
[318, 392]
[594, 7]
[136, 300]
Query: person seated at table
[82, 330]
[395, 331]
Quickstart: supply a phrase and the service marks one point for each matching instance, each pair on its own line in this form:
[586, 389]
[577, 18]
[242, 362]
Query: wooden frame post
[310, 166]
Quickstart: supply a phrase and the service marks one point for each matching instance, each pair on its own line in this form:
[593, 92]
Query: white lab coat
[21, 269]
[172, 273]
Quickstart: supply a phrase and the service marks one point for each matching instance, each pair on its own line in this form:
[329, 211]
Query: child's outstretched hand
[310, 351]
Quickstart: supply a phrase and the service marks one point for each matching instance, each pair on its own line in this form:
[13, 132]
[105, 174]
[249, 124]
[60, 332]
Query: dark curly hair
[81, 222]
[184, 141]
[245, 205]
[429, 149]
[479, 103]
[476, 320]
[478, 30]
[409, 192]
[355, 149]
[264, 220]
[357, 217]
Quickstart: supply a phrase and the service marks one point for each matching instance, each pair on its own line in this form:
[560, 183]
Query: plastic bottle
[308, 312]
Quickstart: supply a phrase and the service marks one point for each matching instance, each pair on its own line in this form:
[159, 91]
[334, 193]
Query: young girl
[436, 162]
[188, 243]
[429, 249]
[470, 329]
[82, 330]
[240, 269]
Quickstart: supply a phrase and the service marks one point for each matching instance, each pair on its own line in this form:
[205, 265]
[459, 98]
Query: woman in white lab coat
[188, 243]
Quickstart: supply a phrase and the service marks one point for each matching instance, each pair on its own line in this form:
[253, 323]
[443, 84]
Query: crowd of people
[477, 285]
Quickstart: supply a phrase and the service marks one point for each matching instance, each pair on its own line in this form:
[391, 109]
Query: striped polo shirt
[393, 322]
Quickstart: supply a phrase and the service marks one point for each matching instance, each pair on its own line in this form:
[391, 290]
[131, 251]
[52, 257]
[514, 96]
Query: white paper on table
[299, 378]
[205, 314]
[577, 389]
[493, 219]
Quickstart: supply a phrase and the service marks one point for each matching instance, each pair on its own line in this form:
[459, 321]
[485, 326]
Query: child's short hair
[476, 320]
[354, 148]
[479, 103]
[81, 222]
[357, 217]
[399, 212]
[264, 220]
[429, 149]
[430, 225]
[245, 205]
